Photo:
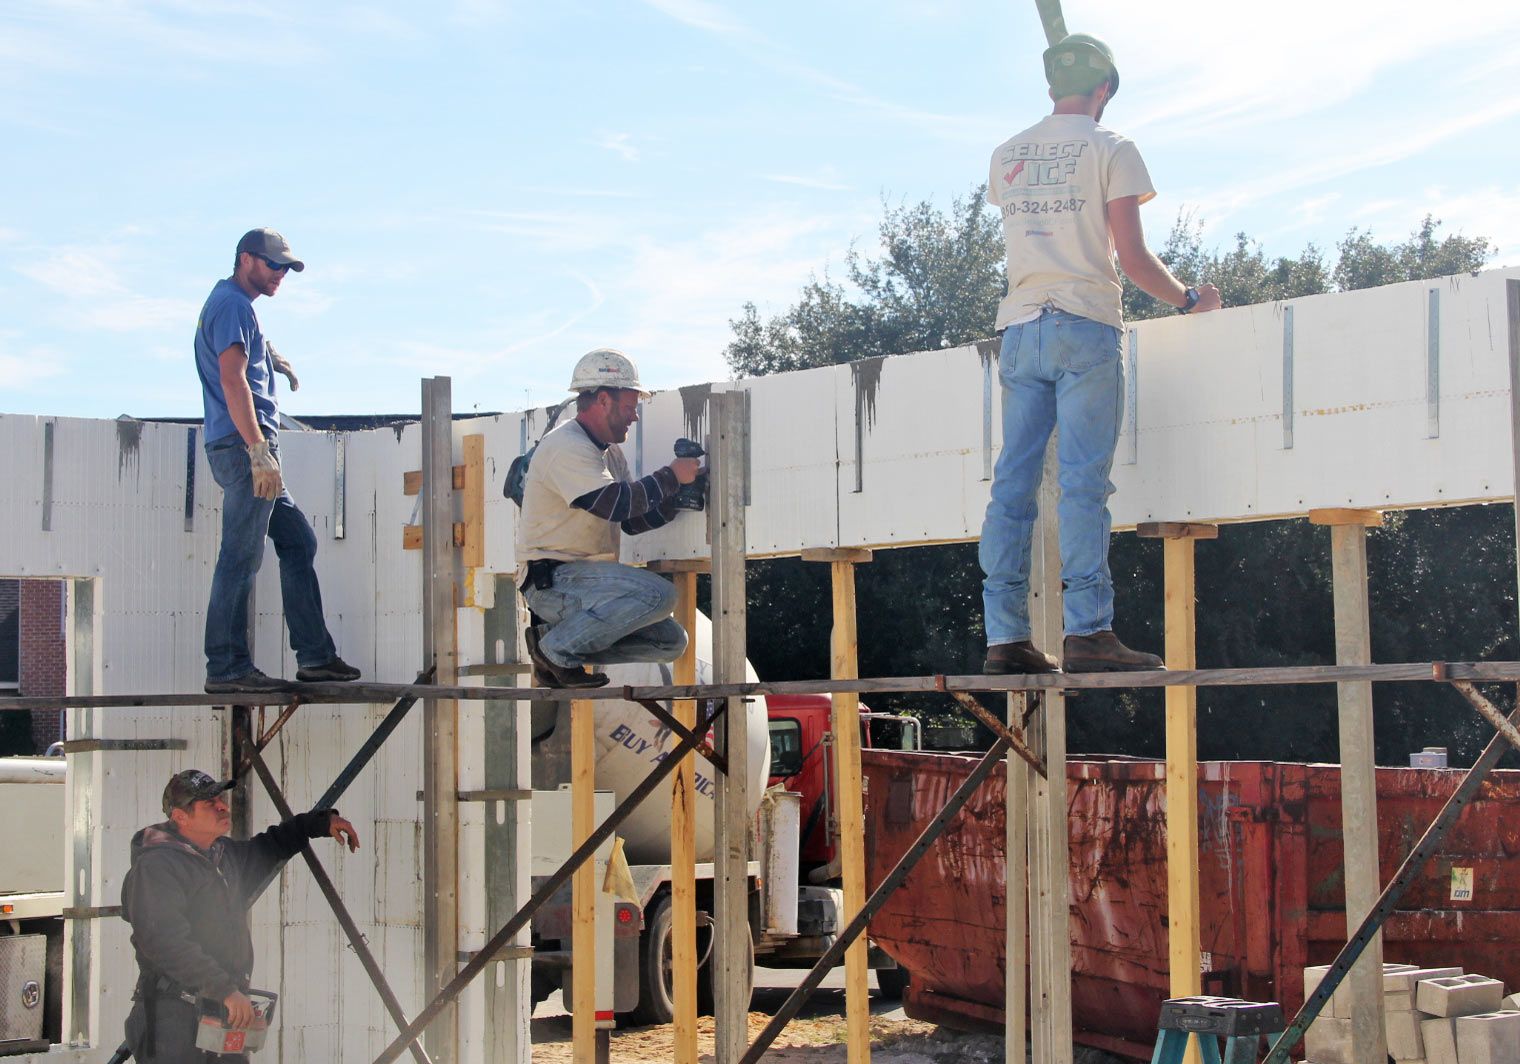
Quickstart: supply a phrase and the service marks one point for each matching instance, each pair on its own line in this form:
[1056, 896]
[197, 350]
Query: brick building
[33, 648]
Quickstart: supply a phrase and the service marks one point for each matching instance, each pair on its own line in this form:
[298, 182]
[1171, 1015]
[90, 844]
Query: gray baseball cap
[190, 786]
[270, 245]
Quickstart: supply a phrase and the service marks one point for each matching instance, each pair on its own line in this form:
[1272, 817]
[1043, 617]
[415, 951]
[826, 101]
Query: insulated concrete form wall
[1393, 397]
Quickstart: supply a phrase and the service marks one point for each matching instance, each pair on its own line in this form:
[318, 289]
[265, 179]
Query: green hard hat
[1078, 64]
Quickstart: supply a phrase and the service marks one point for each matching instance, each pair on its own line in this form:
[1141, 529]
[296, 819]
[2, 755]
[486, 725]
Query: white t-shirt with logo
[1053, 183]
[567, 465]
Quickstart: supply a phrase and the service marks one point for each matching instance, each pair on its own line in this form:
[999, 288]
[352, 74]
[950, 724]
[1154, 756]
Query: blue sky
[488, 188]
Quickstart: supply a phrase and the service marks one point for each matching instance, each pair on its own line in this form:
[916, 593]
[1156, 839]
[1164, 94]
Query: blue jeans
[603, 613]
[1059, 370]
[246, 520]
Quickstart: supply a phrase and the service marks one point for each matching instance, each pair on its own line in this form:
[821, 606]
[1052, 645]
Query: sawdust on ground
[806, 1040]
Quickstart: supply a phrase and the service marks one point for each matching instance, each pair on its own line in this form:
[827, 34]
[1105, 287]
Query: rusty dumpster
[1270, 881]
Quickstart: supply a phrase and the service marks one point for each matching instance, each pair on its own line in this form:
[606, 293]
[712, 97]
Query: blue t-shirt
[227, 319]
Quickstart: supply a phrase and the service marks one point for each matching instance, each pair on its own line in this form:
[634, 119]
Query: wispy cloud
[824, 184]
[90, 291]
[621, 144]
[702, 15]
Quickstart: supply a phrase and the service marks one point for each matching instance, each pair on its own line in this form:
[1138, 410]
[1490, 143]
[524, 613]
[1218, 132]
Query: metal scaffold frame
[1032, 727]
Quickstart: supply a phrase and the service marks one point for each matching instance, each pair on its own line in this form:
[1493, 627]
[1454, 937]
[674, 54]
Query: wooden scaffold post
[1359, 832]
[733, 954]
[1049, 841]
[683, 825]
[844, 656]
[1184, 937]
[440, 724]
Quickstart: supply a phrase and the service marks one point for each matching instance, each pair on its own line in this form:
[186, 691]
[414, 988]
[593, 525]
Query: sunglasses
[277, 267]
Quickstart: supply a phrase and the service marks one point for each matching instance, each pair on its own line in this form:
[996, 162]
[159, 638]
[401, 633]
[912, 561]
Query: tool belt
[540, 574]
[151, 987]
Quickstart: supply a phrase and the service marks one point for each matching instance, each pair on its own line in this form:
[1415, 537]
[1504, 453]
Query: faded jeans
[603, 613]
[1059, 370]
[246, 520]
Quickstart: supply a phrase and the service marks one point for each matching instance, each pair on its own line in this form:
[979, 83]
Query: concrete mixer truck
[796, 898]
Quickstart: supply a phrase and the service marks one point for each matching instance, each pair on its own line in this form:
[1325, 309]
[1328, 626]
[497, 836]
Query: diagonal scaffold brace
[547, 889]
[1507, 736]
[894, 879]
[345, 919]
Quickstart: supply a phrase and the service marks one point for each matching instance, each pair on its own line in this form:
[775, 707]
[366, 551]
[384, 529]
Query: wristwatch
[1189, 301]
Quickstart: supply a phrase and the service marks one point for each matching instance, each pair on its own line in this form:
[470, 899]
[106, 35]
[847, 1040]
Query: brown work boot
[1020, 657]
[1102, 652]
[548, 674]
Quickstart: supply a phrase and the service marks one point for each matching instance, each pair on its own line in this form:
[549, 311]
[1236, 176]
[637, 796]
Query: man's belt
[541, 574]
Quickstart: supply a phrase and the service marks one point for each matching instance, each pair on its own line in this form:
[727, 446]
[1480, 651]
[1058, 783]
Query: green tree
[1264, 587]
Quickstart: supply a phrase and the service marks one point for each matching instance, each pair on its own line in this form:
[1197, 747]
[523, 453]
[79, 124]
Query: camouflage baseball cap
[190, 786]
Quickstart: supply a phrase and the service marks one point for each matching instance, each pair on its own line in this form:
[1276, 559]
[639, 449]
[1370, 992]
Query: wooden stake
[473, 499]
[732, 961]
[845, 665]
[440, 725]
[1016, 900]
[683, 843]
[583, 883]
[1359, 830]
[1184, 945]
[1049, 838]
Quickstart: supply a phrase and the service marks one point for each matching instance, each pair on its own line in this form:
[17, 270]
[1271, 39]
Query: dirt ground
[806, 1040]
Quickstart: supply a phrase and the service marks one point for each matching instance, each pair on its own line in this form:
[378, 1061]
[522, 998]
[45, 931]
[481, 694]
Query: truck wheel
[706, 998]
[892, 981]
[655, 1004]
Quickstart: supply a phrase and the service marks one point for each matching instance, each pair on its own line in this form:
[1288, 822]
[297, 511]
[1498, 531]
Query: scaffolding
[1030, 736]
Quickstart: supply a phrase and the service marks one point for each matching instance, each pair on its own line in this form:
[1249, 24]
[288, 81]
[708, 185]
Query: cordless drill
[692, 496]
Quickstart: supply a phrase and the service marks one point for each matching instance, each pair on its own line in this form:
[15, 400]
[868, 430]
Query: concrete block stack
[1430, 1016]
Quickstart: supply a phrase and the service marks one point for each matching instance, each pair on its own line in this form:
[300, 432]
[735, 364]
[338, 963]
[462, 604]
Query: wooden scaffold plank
[583, 883]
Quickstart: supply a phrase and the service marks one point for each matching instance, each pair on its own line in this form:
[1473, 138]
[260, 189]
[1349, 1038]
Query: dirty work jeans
[602, 613]
[1059, 370]
[246, 520]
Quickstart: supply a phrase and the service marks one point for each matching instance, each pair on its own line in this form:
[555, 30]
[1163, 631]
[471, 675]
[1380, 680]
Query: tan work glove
[267, 483]
[282, 365]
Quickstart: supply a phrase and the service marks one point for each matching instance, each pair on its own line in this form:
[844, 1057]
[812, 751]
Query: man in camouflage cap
[186, 897]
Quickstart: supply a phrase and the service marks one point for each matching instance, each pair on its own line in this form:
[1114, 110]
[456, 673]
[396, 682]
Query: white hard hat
[605, 368]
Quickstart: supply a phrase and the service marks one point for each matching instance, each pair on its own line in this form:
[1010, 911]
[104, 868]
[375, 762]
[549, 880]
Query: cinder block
[1400, 1001]
[1339, 1004]
[1397, 982]
[1510, 1004]
[1402, 1030]
[1459, 995]
[1328, 1041]
[1489, 1038]
[1440, 1037]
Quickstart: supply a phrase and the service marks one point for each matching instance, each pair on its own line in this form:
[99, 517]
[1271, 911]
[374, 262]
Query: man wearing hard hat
[578, 497]
[1069, 191]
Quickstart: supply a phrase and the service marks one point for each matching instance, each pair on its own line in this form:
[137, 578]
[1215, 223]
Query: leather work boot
[548, 674]
[1102, 652]
[1020, 657]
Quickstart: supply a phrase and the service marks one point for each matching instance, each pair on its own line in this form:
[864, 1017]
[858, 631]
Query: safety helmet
[605, 368]
[1078, 64]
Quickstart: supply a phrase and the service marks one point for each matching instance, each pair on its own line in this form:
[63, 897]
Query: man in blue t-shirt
[237, 368]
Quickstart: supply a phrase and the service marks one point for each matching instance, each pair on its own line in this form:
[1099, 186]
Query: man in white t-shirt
[577, 497]
[1070, 192]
